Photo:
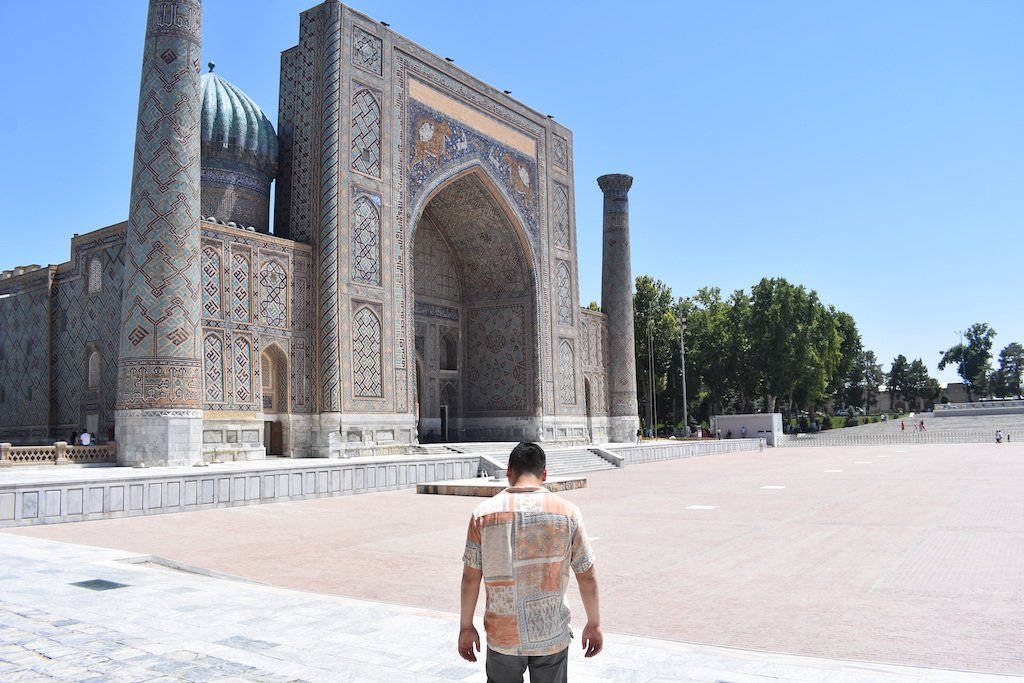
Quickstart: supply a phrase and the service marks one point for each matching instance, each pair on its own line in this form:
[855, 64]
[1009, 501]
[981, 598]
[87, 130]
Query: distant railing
[978, 405]
[837, 438]
[60, 453]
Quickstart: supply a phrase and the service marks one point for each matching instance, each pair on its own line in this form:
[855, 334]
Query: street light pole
[682, 371]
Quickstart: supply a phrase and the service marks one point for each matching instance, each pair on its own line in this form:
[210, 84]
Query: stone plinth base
[622, 429]
[159, 437]
[485, 487]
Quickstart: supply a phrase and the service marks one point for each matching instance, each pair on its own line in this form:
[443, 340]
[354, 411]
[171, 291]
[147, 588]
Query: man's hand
[468, 639]
[592, 640]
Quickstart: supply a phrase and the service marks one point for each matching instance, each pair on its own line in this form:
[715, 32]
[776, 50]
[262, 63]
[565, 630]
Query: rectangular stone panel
[238, 488]
[371, 477]
[208, 491]
[191, 492]
[253, 491]
[402, 474]
[347, 479]
[173, 492]
[392, 475]
[75, 499]
[30, 504]
[115, 499]
[6, 506]
[268, 486]
[135, 495]
[296, 485]
[360, 478]
[51, 503]
[95, 500]
[309, 483]
[335, 480]
[282, 485]
[321, 482]
[223, 490]
[155, 499]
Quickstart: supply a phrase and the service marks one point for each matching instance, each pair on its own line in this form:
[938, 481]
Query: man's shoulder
[558, 505]
[496, 503]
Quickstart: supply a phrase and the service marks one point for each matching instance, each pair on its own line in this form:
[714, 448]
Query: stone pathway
[60, 620]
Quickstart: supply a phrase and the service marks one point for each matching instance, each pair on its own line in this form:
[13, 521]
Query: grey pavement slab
[167, 624]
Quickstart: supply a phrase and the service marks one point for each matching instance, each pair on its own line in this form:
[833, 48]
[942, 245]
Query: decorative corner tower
[159, 416]
[617, 303]
[239, 155]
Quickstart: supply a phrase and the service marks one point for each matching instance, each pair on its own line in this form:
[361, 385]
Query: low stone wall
[60, 453]
[979, 408]
[662, 450]
[46, 497]
[910, 437]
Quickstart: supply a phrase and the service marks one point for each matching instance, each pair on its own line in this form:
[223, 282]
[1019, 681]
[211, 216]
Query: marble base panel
[46, 497]
[623, 429]
[158, 437]
[566, 429]
[239, 437]
[496, 429]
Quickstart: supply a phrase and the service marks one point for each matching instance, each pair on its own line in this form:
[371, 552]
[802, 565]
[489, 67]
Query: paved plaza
[911, 556]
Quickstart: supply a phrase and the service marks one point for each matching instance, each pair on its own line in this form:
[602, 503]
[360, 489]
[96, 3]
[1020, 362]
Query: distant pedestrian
[700, 432]
[639, 432]
[920, 426]
[85, 439]
[743, 432]
[999, 436]
[903, 426]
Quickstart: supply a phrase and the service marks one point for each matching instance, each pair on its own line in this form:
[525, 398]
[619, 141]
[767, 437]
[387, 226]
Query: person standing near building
[522, 544]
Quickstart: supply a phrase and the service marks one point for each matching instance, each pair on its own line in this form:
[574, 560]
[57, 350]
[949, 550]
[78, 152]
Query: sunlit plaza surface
[909, 555]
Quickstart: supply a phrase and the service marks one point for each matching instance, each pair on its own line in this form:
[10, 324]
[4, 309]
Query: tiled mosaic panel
[498, 374]
[243, 370]
[23, 355]
[366, 133]
[80, 319]
[241, 288]
[213, 368]
[566, 373]
[585, 358]
[560, 151]
[273, 294]
[366, 354]
[95, 278]
[160, 355]
[434, 273]
[560, 215]
[563, 293]
[211, 268]
[365, 242]
[367, 52]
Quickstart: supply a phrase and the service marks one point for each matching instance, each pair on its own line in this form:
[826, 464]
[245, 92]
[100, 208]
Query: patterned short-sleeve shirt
[525, 540]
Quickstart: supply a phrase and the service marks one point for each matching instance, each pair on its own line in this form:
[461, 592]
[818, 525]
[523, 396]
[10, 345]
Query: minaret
[159, 415]
[617, 303]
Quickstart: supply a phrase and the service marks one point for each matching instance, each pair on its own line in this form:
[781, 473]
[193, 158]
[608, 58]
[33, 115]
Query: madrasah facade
[418, 280]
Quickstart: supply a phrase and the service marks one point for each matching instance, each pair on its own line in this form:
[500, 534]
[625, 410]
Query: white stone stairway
[563, 461]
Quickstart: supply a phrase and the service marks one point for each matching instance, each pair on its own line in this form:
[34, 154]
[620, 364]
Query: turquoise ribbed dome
[233, 121]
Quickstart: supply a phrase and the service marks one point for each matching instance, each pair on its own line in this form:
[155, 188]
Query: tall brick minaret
[159, 387]
[617, 302]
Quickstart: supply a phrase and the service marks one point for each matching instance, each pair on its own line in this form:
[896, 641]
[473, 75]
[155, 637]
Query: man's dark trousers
[544, 669]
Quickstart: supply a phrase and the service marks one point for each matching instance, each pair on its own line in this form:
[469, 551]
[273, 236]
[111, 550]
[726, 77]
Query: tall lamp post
[682, 371]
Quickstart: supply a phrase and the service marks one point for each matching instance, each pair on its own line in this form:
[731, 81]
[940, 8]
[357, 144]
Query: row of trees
[777, 349]
[973, 358]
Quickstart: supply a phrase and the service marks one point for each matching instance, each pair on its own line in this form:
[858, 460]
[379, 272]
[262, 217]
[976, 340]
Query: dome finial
[211, 65]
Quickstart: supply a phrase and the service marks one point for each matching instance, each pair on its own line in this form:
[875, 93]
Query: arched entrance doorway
[474, 288]
[274, 378]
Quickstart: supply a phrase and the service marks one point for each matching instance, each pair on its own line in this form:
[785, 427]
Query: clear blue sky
[873, 151]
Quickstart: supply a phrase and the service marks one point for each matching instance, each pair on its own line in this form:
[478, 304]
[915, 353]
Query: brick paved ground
[909, 555]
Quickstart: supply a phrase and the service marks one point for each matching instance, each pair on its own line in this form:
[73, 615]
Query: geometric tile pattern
[327, 258]
[213, 359]
[563, 293]
[24, 360]
[367, 51]
[243, 370]
[566, 373]
[585, 359]
[498, 359]
[366, 354]
[211, 267]
[437, 141]
[560, 151]
[434, 273]
[273, 294]
[365, 242]
[366, 133]
[160, 351]
[240, 287]
[95, 275]
[560, 215]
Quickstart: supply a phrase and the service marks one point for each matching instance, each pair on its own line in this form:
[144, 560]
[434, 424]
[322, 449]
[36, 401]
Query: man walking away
[522, 544]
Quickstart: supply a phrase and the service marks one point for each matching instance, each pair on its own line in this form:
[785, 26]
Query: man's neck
[527, 481]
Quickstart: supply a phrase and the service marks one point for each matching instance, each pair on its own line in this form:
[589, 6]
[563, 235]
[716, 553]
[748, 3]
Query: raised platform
[485, 487]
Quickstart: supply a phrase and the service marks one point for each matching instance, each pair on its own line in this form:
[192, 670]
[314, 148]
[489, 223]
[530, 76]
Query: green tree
[653, 310]
[972, 358]
[897, 378]
[1011, 367]
[593, 306]
[919, 385]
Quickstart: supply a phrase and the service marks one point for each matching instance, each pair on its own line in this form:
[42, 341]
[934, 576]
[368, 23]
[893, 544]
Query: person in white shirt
[86, 438]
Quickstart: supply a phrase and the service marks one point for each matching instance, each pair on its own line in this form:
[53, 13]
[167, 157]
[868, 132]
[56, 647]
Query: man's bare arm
[468, 636]
[592, 639]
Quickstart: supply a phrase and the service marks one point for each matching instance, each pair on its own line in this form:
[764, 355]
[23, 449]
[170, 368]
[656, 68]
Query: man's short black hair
[528, 458]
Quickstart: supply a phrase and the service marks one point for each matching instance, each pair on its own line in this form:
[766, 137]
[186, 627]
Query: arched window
[94, 276]
[449, 352]
[94, 369]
